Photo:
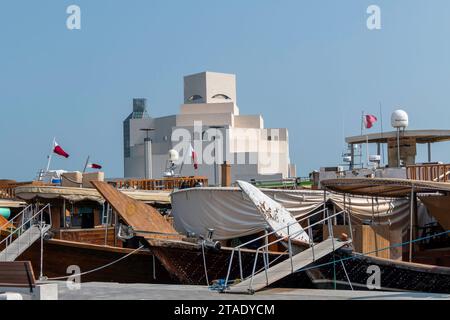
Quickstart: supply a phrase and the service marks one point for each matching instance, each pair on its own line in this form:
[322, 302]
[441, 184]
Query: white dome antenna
[399, 119]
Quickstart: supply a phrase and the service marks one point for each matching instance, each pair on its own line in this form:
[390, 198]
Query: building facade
[209, 122]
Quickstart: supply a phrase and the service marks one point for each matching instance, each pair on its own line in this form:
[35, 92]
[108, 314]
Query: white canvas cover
[279, 219]
[231, 214]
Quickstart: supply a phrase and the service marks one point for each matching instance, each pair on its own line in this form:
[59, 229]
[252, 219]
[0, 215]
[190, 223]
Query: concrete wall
[209, 84]
[208, 119]
[249, 121]
[206, 108]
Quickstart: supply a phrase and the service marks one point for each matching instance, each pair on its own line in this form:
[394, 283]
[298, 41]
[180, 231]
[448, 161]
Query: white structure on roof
[211, 118]
[399, 119]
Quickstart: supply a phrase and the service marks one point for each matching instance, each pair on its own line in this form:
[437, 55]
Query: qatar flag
[94, 166]
[59, 151]
[369, 120]
[193, 155]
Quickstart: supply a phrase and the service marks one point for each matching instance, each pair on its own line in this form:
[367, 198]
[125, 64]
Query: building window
[221, 96]
[195, 97]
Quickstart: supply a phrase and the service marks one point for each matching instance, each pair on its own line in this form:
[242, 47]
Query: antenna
[399, 120]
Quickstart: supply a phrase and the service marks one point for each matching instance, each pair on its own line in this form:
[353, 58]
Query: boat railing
[429, 172]
[37, 219]
[264, 248]
[289, 183]
[8, 189]
[165, 184]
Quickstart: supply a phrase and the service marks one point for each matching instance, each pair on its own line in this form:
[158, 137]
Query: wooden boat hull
[189, 265]
[171, 265]
[59, 255]
[394, 275]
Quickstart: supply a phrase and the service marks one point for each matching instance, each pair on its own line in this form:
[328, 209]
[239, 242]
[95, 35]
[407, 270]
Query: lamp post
[147, 152]
[215, 152]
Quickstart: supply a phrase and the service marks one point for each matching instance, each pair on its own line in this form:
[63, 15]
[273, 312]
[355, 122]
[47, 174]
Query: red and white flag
[59, 151]
[94, 166]
[369, 121]
[193, 155]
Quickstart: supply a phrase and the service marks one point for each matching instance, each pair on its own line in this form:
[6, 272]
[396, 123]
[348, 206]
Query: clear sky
[304, 65]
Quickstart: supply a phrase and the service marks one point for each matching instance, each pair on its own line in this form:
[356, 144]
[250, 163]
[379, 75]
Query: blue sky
[304, 65]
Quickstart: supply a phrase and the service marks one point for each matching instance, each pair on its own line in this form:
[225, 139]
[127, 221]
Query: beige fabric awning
[86, 194]
[381, 187]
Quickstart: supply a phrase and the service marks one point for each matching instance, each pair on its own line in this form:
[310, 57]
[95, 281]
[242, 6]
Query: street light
[146, 150]
[215, 152]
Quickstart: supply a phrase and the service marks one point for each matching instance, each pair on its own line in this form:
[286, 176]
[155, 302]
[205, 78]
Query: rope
[375, 251]
[70, 180]
[99, 268]
[204, 262]
[346, 274]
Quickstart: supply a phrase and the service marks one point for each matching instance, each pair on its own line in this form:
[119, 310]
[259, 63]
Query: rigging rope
[375, 251]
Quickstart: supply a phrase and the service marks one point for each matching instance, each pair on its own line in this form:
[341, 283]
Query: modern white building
[209, 120]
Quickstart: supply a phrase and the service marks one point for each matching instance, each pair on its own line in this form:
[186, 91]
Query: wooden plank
[4, 224]
[93, 246]
[16, 274]
[135, 213]
[365, 238]
[94, 236]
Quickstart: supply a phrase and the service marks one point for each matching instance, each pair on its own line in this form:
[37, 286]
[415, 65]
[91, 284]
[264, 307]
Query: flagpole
[382, 132]
[50, 155]
[367, 150]
[86, 164]
[182, 164]
[362, 122]
[362, 129]
[184, 159]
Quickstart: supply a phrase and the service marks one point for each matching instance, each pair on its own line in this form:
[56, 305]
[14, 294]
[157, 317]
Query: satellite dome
[399, 119]
[173, 155]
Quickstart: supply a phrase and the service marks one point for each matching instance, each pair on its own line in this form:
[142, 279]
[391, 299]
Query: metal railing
[289, 183]
[11, 224]
[36, 219]
[290, 252]
[165, 184]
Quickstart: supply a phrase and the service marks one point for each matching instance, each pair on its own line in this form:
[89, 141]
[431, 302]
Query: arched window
[221, 96]
[195, 97]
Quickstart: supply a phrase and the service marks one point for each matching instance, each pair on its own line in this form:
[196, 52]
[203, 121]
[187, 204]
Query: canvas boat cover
[279, 219]
[232, 215]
